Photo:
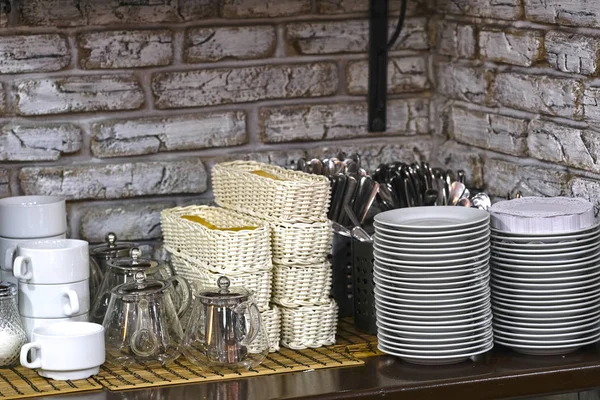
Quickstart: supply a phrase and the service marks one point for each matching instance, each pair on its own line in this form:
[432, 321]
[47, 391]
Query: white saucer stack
[431, 276]
[546, 284]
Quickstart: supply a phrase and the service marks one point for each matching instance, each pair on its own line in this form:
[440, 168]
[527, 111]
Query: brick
[591, 106]
[502, 177]
[564, 12]
[38, 142]
[5, 183]
[405, 149]
[455, 40]
[125, 49]
[586, 188]
[33, 53]
[539, 94]
[405, 74]
[331, 37]
[152, 135]
[340, 121]
[501, 9]
[572, 52]
[132, 222]
[361, 6]
[51, 13]
[2, 98]
[263, 8]
[456, 157]
[78, 94]
[242, 42]
[564, 145]
[209, 87]
[115, 181]
[517, 47]
[489, 131]
[462, 82]
[192, 10]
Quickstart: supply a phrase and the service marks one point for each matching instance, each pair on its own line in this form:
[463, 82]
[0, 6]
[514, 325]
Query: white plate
[586, 229]
[428, 283]
[427, 243]
[415, 345]
[503, 236]
[594, 256]
[404, 312]
[394, 303]
[546, 335]
[574, 312]
[557, 327]
[427, 340]
[401, 319]
[527, 295]
[443, 262]
[529, 342]
[399, 314]
[435, 351]
[432, 218]
[436, 326]
[451, 293]
[546, 302]
[571, 286]
[560, 282]
[444, 275]
[447, 334]
[541, 290]
[450, 255]
[435, 360]
[544, 350]
[454, 267]
[541, 273]
[405, 247]
[558, 320]
[439, 238]
[499, 303]
[546, 268]
[532, 249]
[532, 255]
[560, 246]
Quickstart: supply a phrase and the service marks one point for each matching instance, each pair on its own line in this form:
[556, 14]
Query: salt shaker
[12, 334]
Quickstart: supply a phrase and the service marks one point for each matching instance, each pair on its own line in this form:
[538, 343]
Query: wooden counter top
[498, 374]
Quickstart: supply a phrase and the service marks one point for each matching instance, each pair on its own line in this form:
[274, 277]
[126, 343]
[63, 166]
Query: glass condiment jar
[223, 329]
[12, 334]
[123, 269]
[141, 323]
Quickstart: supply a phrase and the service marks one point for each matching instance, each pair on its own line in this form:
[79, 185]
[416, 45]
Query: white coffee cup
[54, 261]
[54, 301]
[9, 245]
[29, 324]
[27, 217]
[66, 350]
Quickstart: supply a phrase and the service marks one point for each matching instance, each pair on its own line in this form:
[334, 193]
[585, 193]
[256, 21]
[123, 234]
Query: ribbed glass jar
[12, 334]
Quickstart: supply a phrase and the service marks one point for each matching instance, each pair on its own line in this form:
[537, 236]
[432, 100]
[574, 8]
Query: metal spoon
[481, 201]
[358, 232]
[316, 166]
[457, 190]
[387, 197]
[465, 202]
[430, 197]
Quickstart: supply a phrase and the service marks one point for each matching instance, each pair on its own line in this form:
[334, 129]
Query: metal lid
[132, 263]
[225, 296]
[112, 249]
[7, 289]
[141, 287]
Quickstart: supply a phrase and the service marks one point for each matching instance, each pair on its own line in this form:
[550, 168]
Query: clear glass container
[12, 334]
[141, 322]
[123, 269]
[223, 329]
[100, 255]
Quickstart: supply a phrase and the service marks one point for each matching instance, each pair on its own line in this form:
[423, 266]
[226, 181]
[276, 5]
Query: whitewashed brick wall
[124, 106]
[517, 94]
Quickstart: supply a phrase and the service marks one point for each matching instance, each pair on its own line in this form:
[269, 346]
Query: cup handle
[8, 257]
[20, 269]
[184, 293]
[254, 314]
[37, 363]
[73, 307]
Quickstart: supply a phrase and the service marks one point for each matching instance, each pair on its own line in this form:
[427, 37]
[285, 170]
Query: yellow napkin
[202, 221]
[265, 174]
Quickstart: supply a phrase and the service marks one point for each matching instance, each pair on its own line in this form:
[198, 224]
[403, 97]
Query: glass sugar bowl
[12, 334]
[223, 329]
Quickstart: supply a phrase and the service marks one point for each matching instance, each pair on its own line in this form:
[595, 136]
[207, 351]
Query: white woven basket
[203, 275]
[301, 244]
[245, 250]
[301, 285]
[310, 326]
[293, 197]
[271, 319]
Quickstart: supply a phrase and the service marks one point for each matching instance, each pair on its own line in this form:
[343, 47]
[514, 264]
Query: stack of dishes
[431, 276]
[546, 286]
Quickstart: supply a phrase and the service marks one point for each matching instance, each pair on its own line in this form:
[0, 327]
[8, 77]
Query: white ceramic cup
[54, 261]
[27, 217]
[54, 301]
[9, 245]
[29, 324]
[66, 350]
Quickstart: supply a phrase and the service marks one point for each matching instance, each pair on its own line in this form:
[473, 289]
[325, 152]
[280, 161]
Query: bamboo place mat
[350, 347]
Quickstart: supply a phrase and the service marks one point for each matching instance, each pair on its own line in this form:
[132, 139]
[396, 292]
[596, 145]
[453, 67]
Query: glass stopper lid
[7, 289]
[141, 286]
[132, 263]
[225, 295]
[112, 248]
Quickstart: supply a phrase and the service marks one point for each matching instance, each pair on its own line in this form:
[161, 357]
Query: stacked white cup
[24, 218]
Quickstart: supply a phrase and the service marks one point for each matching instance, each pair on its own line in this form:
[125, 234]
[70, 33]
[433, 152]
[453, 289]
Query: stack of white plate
[431, 276]
[546, 289]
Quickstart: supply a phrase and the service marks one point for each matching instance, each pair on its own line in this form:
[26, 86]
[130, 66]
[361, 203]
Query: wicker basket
[301, 244]
[293, 197]
[203, 275]
[271, 319]
[246, 250]
[301, 285]
[310, 326]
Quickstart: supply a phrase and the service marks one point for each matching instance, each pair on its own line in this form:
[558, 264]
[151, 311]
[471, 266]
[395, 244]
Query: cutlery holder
[364, 297]
[341, 262]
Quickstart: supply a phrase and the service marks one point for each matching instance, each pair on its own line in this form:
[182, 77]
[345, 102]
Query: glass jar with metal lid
[123, 269]
[142, 323]
[100, 255]
[225, 329]
[12, 333]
